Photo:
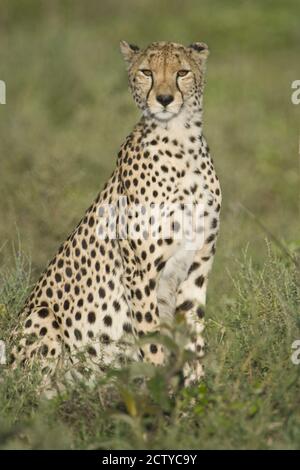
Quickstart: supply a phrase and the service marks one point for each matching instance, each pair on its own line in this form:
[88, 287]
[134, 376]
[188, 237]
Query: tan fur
[99, 294]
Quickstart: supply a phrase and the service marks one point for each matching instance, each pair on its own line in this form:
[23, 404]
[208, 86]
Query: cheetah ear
[128, 51]
[199, 49]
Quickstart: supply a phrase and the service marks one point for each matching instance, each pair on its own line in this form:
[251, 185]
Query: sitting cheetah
[118, 277]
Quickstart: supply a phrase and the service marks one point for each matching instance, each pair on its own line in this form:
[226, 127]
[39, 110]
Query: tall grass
[249, 398]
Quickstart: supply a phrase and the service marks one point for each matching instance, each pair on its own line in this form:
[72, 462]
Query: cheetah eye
[182, 73]
[146, 72]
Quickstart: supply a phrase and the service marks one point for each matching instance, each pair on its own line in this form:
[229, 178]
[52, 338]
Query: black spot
[214, 223]
[147, 291]
[105, 339]
[101, 292]
[77, 335]
[116, 305]
[200, 312]
[55, 325]
[139, 317]
[67, 287]
[77, 290]
[134, 47]
[185, 306]
[49, 292]
[138, 294]
[92, 351]
[193, 267]
[127, 328]
[148, 317]
[107, 320]
[69, 272]
[78, 316]
[91, 317]
[210, 238]
[199, 281]
[153, 348]
[161, 266]
[60, 263]
[43, 313]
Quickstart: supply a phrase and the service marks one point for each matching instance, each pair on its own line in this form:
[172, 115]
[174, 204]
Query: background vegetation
[68, 109]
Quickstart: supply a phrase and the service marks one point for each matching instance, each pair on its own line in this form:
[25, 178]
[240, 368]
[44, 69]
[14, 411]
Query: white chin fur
[164, 115]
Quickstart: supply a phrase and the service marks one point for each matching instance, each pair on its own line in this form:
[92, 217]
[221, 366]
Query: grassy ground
[67, 111]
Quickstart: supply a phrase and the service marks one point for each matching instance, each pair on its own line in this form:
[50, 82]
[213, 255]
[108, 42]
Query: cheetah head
[166, 77]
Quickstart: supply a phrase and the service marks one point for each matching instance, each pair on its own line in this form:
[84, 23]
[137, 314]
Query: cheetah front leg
[190, 302]
[140, 286]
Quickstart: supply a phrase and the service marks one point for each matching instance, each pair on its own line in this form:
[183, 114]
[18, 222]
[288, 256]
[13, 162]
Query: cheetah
[139, 256]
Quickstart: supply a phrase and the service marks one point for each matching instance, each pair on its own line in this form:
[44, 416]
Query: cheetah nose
[165, 99]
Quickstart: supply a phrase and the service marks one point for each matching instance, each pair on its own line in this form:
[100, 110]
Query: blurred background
[69, 109]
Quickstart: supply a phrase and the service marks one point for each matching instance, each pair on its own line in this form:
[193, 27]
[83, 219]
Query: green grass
[68, 109]
[249, 399]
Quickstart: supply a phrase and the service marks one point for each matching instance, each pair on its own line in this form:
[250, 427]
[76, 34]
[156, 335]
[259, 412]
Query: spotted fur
[100, 293]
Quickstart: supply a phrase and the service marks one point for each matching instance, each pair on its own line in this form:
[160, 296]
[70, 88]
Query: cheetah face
[166, 77]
